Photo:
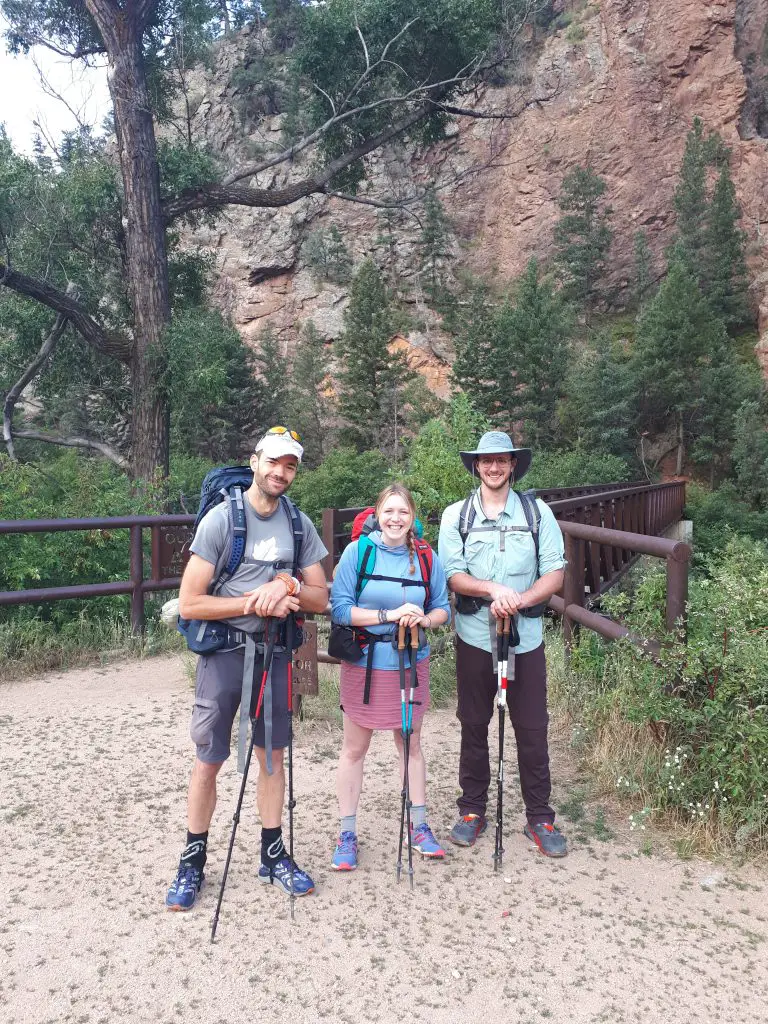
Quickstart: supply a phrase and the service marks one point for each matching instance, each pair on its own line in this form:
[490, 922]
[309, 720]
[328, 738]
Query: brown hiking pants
[527, 701]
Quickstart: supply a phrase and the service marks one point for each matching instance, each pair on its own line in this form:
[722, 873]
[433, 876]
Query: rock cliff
[617, 88]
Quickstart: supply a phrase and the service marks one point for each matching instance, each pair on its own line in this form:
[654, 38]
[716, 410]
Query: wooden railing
[607, 527]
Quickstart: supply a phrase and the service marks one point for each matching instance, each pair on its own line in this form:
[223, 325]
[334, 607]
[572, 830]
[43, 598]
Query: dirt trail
[93, 771]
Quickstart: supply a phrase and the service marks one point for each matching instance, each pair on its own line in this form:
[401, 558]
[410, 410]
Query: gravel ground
[93, 768]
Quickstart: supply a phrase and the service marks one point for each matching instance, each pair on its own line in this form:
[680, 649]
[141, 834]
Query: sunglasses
[284, 430]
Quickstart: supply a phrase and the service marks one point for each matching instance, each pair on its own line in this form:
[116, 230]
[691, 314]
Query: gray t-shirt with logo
[269, 540]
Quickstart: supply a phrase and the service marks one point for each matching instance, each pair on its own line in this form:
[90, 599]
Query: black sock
[196, 850]
[272, 847]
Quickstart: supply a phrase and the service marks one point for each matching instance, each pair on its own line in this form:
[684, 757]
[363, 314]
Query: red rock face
[622, 100]
[617, 89]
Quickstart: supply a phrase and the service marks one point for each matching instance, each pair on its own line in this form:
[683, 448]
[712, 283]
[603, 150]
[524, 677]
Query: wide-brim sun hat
[496, 442]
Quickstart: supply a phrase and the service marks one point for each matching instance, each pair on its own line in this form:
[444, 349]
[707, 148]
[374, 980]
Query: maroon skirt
[384, 709]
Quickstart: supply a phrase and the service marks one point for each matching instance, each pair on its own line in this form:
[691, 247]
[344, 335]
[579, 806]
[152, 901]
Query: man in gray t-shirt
[261, 591]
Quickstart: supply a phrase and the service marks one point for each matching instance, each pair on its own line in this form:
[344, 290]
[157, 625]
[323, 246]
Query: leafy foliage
[216, 402]
[701, 710]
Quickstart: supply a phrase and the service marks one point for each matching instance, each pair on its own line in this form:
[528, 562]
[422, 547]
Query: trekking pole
[405, 805]
[268, 652]
[291, 802]
[502, 632]
[507, 635]
[407, 742]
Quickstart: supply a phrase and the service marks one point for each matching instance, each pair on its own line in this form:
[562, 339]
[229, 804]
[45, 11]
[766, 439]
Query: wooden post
[573, 588]
[329, 539]
[137, 578]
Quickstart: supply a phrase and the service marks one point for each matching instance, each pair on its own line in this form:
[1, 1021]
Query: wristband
[383, 615]
[292, 585]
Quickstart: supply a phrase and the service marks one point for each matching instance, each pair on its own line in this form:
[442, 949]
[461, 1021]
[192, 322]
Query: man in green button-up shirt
[495, 573]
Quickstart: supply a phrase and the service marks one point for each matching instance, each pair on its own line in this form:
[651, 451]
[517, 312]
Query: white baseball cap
[280, 441]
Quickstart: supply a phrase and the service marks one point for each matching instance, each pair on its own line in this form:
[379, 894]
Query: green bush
[575, 468]
[689, 736]
[719, 515]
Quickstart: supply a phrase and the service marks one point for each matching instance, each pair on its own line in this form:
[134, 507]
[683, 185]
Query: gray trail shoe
[467, 829]
[548, 837]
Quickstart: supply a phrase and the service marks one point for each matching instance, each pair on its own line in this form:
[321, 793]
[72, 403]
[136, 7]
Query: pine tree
[725, 269]
[582, 236]
[275, 378]
[531, 357]
[473, 369]
[434, 245]
[691, 196]
[600, 410]
[750, 449]
[371, 378]
[311, 402]
[677, 337]
[327, 255]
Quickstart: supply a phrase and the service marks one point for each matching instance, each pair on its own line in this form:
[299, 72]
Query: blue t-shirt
[385, 594]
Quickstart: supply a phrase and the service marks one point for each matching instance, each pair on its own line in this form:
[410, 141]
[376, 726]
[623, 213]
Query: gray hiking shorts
[218, 690]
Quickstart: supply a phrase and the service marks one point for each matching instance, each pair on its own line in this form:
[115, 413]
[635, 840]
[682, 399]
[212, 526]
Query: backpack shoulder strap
[366, 559]
[297, 528]
[533, 519]
[234, 551]
[425, 555]
[466, 519]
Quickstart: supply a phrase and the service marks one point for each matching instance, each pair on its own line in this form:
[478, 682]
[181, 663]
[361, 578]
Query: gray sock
[418, 815]
[349, 823]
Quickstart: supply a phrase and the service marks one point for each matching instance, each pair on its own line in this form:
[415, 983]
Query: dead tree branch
[16, 391]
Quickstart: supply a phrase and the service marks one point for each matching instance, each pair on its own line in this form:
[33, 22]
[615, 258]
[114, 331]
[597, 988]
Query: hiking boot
[184, 888]
[548, 837]
[345, 854]
[423, 840]
[280, 876]
[467, 829]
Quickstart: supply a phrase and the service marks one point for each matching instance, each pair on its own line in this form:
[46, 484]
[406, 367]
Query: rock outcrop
[618, 89]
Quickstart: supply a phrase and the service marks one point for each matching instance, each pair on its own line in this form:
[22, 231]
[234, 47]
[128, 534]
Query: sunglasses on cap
[284, 430]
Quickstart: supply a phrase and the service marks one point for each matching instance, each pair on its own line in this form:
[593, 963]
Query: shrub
[689, 736]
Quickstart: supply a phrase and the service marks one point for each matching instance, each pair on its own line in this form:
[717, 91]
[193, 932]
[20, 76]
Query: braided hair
[399, 491]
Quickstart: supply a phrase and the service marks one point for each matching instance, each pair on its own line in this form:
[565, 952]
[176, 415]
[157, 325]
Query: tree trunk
[680, 445]
[146, 255]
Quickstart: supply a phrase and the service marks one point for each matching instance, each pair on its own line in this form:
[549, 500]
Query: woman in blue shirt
[380, 607]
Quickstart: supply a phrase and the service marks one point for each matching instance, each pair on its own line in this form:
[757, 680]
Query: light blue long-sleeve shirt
[508, 558]
[385, 594]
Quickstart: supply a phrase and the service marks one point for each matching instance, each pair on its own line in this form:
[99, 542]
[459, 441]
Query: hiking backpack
[229, 483]
[533, 521]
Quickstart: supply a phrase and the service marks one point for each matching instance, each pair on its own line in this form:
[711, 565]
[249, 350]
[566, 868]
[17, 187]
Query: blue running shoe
[280, 875]
[345, 854]
[185, 887]
[423, 840]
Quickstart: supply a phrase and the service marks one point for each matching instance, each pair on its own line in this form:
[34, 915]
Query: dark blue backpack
[229, 483]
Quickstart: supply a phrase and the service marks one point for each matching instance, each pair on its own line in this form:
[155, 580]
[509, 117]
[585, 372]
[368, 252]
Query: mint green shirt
[494, 552]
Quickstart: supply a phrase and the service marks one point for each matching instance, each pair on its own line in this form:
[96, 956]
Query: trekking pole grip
[400, 636]
[414, 638]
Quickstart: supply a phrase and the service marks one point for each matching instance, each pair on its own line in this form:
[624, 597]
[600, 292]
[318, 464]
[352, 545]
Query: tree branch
[49, 344]
[117, 346]
[76, 442]
[207, 196]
